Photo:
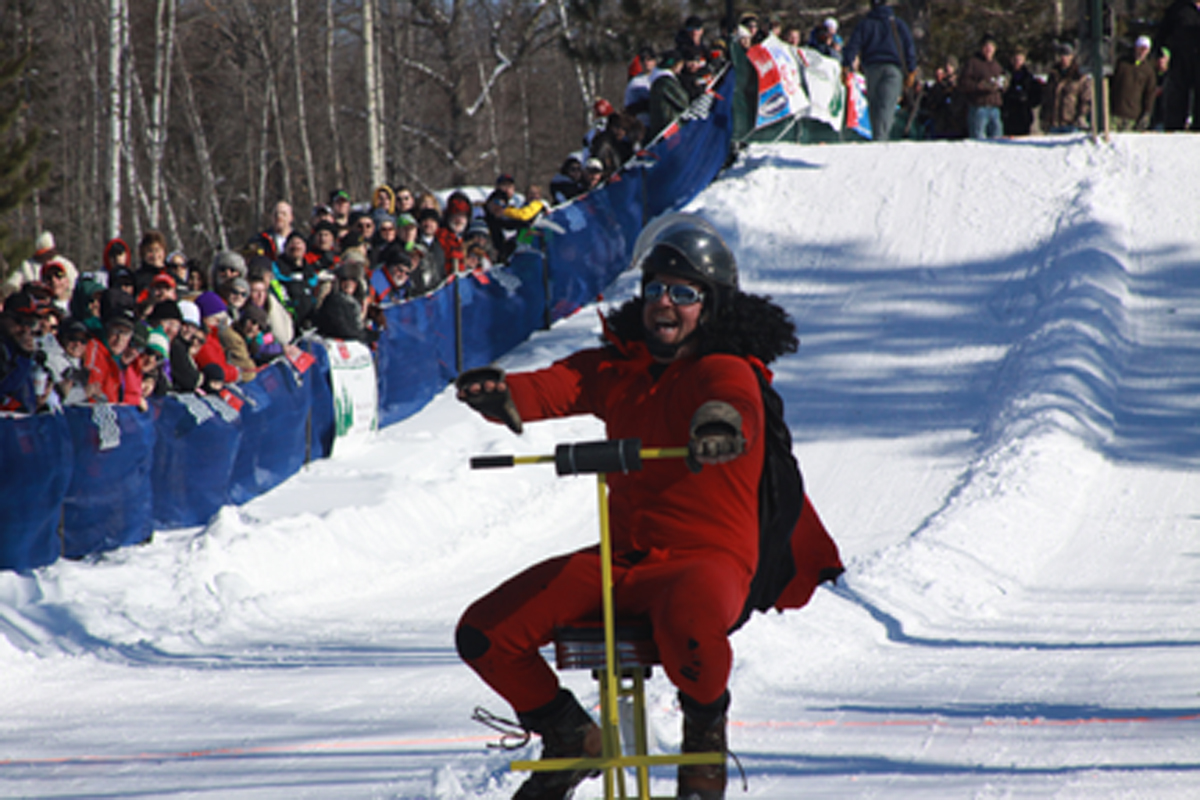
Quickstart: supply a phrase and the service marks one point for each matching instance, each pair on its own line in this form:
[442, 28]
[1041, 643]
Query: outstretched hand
[485, 390]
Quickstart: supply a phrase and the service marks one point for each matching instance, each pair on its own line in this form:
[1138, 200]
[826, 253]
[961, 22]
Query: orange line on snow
[233, 752]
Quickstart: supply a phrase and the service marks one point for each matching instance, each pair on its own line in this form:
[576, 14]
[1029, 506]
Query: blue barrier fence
[100, 477]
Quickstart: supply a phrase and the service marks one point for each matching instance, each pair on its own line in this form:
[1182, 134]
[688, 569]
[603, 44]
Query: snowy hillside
[996, 404]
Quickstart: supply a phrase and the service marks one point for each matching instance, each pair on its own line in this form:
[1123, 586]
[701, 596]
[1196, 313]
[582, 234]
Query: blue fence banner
[274, 432]
[321, 424]
[501, 307]
[98, 477]
[198, 439]
[415, 354]
[109, 502]
[37, 457]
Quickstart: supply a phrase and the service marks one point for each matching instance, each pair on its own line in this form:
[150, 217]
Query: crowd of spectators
[146, 321]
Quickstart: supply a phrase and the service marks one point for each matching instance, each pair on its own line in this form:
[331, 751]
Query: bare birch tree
[116, 16]
[305, 150]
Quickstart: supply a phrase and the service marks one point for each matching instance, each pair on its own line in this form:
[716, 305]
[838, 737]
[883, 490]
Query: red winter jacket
[118, 384]
[211, 352]
[665, 506]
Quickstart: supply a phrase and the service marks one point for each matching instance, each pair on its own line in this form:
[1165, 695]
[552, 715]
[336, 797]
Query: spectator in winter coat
[617, 142]
[46, 251]
[279, 321]
[982, 84]
[185, 347]
[390, 283]
[18, 346]
[568, 183]
[214, 318]
[252, 326]
[111, 378]
[1179, 33]
[227, 265]
[55, 278]
[342, 314]
[944, 103]
[294, 284]
[152, 251]
[884, 45]
[65, 364]
[116, 256]
[282, 219]
[1134, 88]
[678, 368]
[691, 34]
[668, 97]
[504, 232]
[1067, 99]
[1021, 97]
[637, 91]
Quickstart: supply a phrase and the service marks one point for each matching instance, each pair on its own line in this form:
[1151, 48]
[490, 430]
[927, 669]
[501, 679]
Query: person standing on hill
[1179, 33]
[982, 84]
[1134, 88]
[1067, 101]
[682, 363]
[884, 46]
[1021, 97]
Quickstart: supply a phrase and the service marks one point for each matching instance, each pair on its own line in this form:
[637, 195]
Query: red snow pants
[691, 600]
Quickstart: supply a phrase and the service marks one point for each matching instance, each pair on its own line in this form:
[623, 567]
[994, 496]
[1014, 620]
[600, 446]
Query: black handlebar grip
[589, 458]
[491, 462]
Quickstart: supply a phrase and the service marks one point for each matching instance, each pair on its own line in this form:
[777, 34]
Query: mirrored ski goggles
[681, 294]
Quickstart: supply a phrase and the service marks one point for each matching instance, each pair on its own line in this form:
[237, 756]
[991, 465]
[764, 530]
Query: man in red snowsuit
[679, 367]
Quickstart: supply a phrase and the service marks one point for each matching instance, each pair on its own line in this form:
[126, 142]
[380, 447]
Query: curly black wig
[748, 325]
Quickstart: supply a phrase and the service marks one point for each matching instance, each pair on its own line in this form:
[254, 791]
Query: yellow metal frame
[614, 685]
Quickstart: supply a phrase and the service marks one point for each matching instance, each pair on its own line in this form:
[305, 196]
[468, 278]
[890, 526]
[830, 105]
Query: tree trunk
[159, 102]
[331, 100]
[113, 159]
[374, 130]
[126, 128]
[204, 157]
[305, 150]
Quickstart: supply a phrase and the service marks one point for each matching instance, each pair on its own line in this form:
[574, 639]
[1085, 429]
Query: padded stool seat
[581, 646]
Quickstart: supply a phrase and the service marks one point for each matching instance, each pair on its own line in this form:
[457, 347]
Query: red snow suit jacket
[664, 507]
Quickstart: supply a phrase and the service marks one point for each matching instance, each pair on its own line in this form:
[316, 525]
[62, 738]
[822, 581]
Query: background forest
[195, 116]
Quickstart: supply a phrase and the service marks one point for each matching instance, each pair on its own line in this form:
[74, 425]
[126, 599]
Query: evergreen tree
[19, 175]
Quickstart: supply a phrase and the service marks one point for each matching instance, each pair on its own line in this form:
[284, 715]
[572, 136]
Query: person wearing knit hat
[223, 345]
[184, 372]
[189, 313]
[227, 265]
[46, 250]
[210, 306]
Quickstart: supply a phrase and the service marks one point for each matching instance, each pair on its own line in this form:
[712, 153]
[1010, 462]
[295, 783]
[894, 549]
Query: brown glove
[484, 390]
[910, 80]
[715, 435]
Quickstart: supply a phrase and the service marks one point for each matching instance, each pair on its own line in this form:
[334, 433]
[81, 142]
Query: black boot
[567, 731]
[703, 732]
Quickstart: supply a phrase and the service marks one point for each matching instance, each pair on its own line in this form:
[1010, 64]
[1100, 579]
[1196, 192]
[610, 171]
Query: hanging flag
[857, 118]
[780, 91]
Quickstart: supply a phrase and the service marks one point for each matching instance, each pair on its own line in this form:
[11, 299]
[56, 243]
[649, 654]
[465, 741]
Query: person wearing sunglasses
[678, 367]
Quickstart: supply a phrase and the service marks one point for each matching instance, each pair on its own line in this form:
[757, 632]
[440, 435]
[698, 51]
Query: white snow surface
[996, 405]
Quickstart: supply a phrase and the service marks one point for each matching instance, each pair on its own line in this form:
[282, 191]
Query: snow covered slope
[997, 407]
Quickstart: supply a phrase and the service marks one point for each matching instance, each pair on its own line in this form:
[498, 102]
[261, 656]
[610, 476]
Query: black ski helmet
[689, 246]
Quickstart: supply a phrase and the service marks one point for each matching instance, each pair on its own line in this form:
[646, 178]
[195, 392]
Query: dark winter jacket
[340, 317]
[668, 99]
[874, 42]
[1023, 95]
[1134, 86]
[1067, 100]
[1179, 32]
[980, 82]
